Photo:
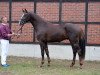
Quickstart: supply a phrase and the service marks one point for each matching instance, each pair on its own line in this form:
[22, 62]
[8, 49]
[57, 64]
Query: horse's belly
[56, 38]
[52, 35]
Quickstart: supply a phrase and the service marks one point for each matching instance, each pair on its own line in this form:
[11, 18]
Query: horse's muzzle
[21, 22]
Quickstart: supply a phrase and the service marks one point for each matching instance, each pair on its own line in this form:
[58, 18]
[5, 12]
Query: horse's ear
[24, 11]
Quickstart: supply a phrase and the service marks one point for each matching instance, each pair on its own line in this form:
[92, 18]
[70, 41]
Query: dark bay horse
[48, 32]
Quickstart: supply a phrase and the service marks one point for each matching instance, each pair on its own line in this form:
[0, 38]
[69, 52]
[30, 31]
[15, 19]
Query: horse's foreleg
[42, 54]
[47, 53]
[42, 61]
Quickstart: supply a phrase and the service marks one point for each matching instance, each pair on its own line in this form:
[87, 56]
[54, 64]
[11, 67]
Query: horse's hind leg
[74, 55]
[42, 45]
[47, 53]
[75, 47]
[74, 58]
[80, 59]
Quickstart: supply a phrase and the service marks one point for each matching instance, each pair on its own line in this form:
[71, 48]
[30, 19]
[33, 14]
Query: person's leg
[4, 48]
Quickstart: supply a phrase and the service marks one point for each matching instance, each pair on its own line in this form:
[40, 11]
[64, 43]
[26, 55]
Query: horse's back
[73, 30]
[72, 27]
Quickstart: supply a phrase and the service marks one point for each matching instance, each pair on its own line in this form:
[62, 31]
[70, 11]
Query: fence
[84, 13]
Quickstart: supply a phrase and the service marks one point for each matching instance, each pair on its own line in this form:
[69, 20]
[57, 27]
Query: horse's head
[25, 17]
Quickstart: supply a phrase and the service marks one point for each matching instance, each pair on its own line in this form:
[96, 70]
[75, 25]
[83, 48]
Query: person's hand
[10, 35]
[13, 34]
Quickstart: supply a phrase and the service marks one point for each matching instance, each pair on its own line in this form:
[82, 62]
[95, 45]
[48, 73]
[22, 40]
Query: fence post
[86, 19]
[10, 12]
[35, 13]
[60, 11]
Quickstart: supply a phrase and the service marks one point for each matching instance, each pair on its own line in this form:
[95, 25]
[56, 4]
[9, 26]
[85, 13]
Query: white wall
[56, 51]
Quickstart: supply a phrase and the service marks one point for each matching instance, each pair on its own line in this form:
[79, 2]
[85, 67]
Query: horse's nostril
[21, 22]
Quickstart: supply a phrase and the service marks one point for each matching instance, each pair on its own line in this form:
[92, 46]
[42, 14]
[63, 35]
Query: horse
[48, 32]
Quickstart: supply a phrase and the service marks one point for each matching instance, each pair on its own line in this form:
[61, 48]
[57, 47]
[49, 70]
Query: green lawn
[30, 66]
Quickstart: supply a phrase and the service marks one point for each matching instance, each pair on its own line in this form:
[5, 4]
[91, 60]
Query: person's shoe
[5, 65]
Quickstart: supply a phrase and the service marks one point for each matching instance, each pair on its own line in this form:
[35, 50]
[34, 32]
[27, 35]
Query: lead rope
[19, 30]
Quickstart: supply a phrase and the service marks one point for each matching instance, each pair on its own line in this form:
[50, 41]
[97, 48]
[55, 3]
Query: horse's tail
[82, 46]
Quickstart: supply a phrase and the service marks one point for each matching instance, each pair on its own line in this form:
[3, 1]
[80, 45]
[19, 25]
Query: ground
[30, 66]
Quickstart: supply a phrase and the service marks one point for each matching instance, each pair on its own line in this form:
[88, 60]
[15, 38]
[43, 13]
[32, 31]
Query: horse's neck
[37, 21]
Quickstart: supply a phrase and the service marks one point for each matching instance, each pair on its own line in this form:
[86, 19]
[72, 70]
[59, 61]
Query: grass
[30, 66]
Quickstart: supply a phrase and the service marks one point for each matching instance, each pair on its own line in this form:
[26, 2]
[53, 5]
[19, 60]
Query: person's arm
[10, 35]
[4, 33]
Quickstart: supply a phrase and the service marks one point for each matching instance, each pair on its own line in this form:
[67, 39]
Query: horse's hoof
[41, 66]
[80, 67]
[71, 66]
[48, 65]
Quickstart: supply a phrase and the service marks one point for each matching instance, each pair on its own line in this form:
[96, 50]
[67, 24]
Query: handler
[5, 35]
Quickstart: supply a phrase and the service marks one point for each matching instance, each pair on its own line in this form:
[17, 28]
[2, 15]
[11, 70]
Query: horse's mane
[36, 16]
